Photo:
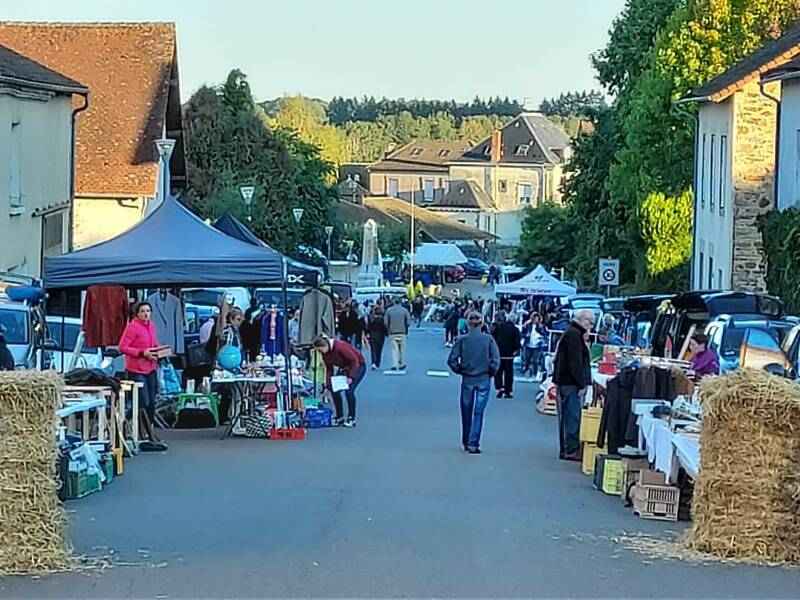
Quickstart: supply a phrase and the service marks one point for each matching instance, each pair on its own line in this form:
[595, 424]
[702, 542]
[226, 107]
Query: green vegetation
[781, 233]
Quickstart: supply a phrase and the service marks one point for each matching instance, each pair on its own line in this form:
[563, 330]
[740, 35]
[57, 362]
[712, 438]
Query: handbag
[256, 426]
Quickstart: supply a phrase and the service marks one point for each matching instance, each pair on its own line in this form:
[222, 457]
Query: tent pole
[286, 345]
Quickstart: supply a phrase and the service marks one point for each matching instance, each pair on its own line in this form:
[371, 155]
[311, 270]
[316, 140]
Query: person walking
[377, 336]
[476, 358]
[350, 327]
[571, 376]
[507, 337]
[452, 315]
[534, 336]
[418, 306]
[397, 320]
[350, 363]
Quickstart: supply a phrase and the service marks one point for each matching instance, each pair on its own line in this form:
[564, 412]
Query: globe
[229, 358]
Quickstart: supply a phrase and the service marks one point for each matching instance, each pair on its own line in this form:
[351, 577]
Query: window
[701, 178]
[446, 185]
[525, 193]
[701, 270]
[416, 151]
[53, 234]
[357, 177]
[393, 188]
[720, 283]
[710, 272]
[444, 153]
[487, 150]
[503, 186]
[711, 189]
[522, 150]
[427, 190]
[487, 220]
[15, 166]
[723, 172]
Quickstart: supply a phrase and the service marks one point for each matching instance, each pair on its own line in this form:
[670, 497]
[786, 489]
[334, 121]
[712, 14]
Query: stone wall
[753, 182]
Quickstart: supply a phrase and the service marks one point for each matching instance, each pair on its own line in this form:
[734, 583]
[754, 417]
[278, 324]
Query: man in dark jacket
[476, 358]
[507, 337]
[572, 375]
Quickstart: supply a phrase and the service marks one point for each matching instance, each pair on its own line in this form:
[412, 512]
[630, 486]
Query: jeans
[398, 350]
[532, 360]
[569, 419]
[147, 394]
[474, 397]
[376, 349]
[504, 380]
[350, 393]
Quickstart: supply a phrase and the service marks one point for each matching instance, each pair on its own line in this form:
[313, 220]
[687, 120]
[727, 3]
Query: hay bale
[747, 495]
[32, 520]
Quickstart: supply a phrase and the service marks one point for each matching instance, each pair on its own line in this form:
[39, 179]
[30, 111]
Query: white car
[65, 338]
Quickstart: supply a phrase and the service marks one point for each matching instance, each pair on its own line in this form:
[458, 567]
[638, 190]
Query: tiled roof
[131, 72]
[464, 193]
[389, 211]
[422, 155]
[769, 56]
[20, 70]
[531, 138]
[789, 70]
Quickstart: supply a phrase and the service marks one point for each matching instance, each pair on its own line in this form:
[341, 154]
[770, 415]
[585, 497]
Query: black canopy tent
[298, 273]
[172, 247]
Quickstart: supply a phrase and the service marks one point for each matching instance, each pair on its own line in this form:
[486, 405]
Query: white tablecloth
[668, 450]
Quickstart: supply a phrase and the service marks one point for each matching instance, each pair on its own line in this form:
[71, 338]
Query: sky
[524, 49]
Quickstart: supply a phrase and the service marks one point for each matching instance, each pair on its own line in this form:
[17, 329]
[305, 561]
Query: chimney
[496, 145]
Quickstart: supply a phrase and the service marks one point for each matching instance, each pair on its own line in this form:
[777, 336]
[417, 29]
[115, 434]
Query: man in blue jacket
[476, 358]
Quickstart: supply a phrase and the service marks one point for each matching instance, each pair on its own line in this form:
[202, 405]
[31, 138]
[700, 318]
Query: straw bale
[32, 520]
[747, 497]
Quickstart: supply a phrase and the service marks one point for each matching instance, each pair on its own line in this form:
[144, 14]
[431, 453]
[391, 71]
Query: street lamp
[164, 147]
[328, 234]
[247, 192]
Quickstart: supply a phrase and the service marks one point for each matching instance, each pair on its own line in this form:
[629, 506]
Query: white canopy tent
[439, 255]
[536, 283]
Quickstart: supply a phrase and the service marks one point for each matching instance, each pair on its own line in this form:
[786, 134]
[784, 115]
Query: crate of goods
[298, 433]
[107, 464]
[612, 476]
[590, 453]
[590, 424]
[653, 499]
[316, 418]
[630, 472]
[81, 483]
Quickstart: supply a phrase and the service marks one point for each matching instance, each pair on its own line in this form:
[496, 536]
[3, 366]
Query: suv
[748, 340]
[23, 324]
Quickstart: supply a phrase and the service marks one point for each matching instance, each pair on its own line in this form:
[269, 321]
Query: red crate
[288, 434]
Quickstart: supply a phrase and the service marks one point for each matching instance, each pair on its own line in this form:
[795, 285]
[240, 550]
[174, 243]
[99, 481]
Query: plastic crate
[82, 483]
[316, 418]
[590, 453]
[630, 472]
[288, 434]
[612, 476]
[657, 502]
[590, 424]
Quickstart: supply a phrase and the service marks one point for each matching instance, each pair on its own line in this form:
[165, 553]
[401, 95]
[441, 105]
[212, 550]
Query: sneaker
[500, 393]
[509, 395]
[374, 367]
[471, 450]
[350, 423]
[337, 422]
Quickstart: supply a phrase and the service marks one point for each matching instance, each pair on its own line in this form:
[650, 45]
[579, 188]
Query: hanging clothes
[250, 330]
[317, 316]
[168, 317]
[105, 315]
[272, 333]
[617, 411]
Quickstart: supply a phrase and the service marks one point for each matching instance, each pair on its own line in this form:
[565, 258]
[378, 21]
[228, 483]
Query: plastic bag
[169, 383]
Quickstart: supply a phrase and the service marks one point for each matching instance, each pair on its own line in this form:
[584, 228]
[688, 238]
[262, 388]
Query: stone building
[734, 180]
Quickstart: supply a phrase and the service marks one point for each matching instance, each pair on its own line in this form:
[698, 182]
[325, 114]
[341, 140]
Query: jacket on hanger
[316, 316]
[168, 318]
[105, 315]
[272, 333]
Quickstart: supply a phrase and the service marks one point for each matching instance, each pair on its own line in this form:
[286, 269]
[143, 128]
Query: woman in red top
[350, 362]
[138, 340]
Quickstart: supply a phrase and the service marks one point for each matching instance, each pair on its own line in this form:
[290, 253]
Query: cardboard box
[590, 424]
[649, 477]
[631, 467]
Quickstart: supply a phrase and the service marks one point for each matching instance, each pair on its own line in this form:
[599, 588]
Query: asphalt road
[391, 508]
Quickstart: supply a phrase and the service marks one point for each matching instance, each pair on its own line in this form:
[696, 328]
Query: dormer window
[444, 153]
[522, 150]
[488, 150]
[416, 151]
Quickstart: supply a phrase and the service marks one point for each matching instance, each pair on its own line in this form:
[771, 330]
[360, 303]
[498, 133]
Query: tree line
[629, 183]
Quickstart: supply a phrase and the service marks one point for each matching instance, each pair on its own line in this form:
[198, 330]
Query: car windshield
[14, 326]
[202, 297]
[275, 297]
[71, 333]
[733, 336]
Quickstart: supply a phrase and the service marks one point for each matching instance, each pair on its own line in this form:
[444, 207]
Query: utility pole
[413, 227]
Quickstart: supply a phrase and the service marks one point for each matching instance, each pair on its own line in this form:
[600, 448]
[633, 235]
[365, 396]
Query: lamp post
[164, 147]
[413, 227]
[247, 192]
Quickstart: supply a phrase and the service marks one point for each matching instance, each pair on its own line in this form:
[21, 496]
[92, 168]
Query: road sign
[247, 192]
[608, 271]
[298, 214]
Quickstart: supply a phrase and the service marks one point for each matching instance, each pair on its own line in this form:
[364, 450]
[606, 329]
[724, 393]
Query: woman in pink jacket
[138, 340]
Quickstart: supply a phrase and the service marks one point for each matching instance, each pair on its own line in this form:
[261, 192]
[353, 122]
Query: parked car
[211, 297]
[454, 274]
[692, 311]
[23, 323]
[475, 268]
[373, 294]
[748, 341]
[641, 313]
[66, 335]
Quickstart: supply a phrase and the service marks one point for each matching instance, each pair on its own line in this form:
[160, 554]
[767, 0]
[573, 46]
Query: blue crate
[316, 418]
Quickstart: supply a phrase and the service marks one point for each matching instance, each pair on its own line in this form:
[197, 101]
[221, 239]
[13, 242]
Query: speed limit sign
[608, 272]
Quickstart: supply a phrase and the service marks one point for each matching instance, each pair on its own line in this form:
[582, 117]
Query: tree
[573, 104]
[228, 145]
[547, 237]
